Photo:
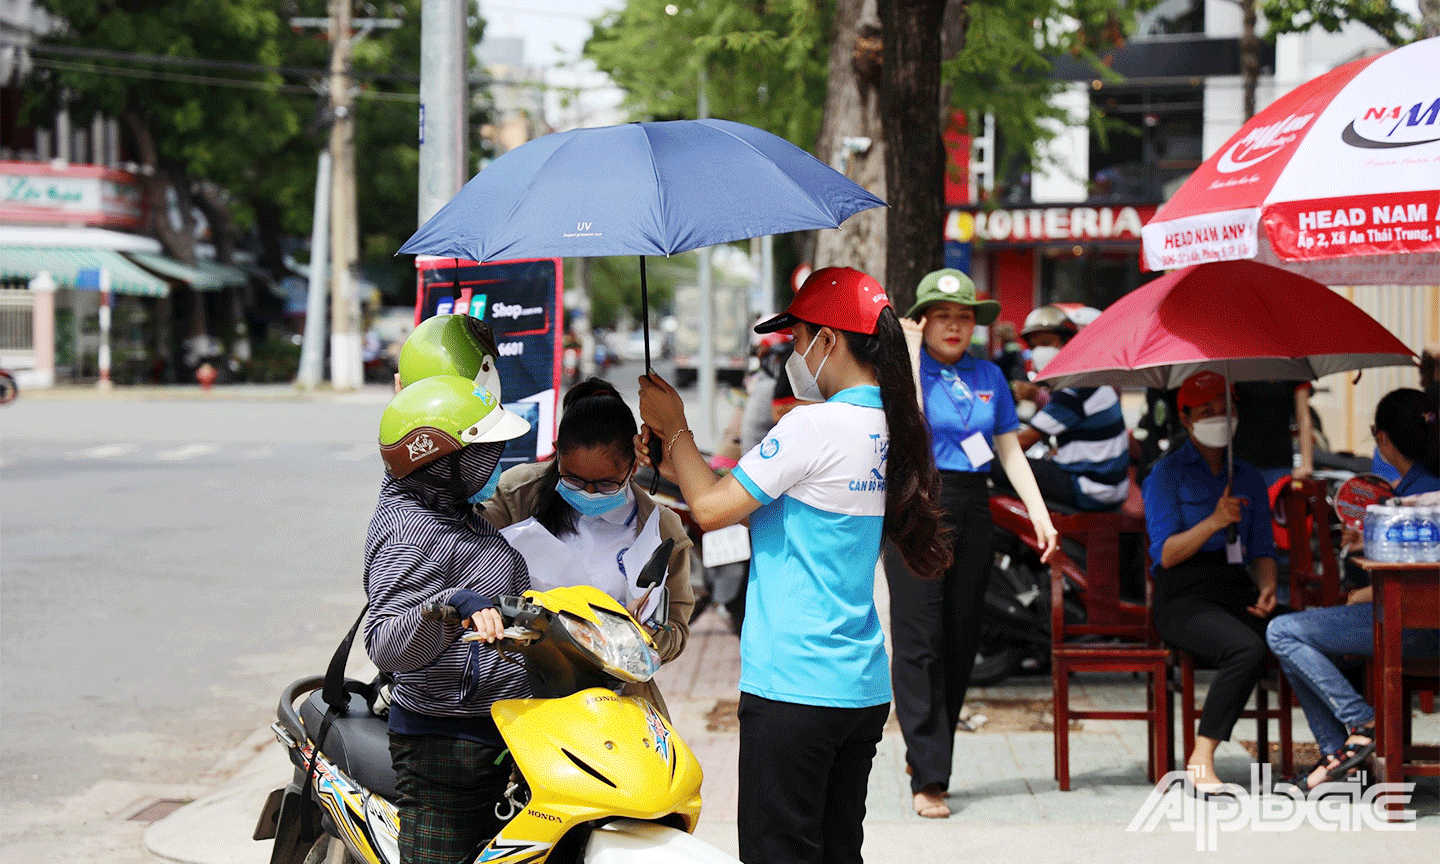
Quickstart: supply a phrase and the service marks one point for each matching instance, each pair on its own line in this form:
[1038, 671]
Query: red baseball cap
[839, 297]
[1199, 389]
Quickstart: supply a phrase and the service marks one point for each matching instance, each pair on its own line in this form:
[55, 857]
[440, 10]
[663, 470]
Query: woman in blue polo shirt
[822, 490]
[935, 624]
[1213, 595]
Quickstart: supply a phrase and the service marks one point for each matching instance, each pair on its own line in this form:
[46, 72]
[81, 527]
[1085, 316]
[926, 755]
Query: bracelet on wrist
[676, 437]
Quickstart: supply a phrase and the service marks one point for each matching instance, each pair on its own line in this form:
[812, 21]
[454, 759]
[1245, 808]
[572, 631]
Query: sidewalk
[1006, 804]
[282, 392]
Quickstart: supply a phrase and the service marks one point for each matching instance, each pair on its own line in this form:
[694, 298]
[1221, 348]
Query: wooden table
[1406, 595]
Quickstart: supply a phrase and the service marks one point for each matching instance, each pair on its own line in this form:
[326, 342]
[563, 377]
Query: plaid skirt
[448, 791]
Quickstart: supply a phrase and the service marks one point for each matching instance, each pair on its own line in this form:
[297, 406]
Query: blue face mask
[484, 494]
[591, 503]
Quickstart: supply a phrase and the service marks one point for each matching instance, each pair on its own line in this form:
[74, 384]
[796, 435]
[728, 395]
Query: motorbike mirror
[661, 616]
[653, 573]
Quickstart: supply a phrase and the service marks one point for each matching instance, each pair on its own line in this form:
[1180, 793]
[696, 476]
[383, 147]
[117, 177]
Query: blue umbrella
[639, 189]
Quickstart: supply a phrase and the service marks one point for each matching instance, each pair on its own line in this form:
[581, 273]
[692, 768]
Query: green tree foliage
[1296, 16]
[234, 109]
[765, 60]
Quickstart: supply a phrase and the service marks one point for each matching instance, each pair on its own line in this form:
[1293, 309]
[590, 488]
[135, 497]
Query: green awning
[64, 264]
[229, 274]
[196, 277]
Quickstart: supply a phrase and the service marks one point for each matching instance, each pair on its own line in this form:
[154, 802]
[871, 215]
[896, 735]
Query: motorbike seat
[358, 742]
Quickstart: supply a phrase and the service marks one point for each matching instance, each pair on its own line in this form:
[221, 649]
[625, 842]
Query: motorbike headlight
[616, 642]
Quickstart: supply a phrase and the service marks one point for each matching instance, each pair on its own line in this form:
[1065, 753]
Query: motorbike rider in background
[1088, 469]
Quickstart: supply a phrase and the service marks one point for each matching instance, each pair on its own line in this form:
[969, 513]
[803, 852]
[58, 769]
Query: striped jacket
[425, 545]
[1091, 442]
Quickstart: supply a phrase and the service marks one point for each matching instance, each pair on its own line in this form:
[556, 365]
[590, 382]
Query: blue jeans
[1310, 643]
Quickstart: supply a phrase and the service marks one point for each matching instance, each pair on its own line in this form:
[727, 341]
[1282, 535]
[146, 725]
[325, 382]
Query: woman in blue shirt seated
[1309, 643]
[1212, 596]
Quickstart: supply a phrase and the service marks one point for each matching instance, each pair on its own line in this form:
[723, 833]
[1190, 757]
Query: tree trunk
[1249, 55]
[915, 155]
[210, 200]
[157, 183]
[267, 223]
[852, 110]
[1429, 18]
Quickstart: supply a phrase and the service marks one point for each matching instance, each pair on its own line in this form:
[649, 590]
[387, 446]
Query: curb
[192, 393]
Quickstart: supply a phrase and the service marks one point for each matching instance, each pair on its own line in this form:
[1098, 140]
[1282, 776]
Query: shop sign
[1049, 224]
[39, 193]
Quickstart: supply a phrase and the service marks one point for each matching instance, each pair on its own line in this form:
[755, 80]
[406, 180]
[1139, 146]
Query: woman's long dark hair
[593, 415]
[913, 518]
[1408, 418]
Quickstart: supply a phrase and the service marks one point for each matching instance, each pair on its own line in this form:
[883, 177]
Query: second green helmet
[459, 345]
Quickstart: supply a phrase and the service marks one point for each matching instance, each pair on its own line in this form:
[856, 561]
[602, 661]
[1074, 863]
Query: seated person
[1090, 466]
[1310, 642]
[1212, 597]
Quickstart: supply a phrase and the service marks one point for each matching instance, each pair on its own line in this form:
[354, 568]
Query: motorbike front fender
[630, 841]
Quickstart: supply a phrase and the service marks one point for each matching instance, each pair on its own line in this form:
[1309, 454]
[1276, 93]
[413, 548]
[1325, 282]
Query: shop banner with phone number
[521, 301]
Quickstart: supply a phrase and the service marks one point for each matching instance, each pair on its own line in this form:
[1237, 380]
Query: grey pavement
[130, 467]
[1006, 803]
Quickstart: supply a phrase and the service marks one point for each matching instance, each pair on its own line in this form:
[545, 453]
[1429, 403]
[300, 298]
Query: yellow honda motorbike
[600, 778]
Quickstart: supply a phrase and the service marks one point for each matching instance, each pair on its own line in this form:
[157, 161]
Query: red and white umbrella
[1338, 180]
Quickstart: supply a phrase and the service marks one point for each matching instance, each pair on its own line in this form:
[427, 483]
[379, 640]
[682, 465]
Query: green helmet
[451, 345]
[440, 415]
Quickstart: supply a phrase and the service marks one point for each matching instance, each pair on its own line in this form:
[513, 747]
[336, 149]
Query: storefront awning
[204, 276]
[65, 263]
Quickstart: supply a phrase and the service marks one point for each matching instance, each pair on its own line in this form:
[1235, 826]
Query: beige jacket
[515, 500]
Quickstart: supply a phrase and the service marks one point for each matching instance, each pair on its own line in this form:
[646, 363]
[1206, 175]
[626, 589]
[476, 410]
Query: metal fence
[16, 334]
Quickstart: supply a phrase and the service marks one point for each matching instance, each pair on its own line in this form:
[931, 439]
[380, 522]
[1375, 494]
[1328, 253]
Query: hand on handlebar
[487, 625]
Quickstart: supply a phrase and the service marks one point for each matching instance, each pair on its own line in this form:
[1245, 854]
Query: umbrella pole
[1304, 428]
[1232, 532]
[645, 313]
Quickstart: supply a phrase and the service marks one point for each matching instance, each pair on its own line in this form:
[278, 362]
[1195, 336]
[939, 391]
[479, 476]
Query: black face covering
[446, 484]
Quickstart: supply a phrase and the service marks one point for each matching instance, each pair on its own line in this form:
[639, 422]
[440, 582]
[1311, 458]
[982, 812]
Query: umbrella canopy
[1245, 320]
[1339, 180]
[639, 189]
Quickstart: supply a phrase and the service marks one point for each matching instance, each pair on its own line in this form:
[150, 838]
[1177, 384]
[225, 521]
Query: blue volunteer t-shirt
[1180, 493]
[1417, 481]
[961, 399]
[811, 634]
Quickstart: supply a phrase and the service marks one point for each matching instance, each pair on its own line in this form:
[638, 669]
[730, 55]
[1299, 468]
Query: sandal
[1351, 756]
[1301, 781]
[930, 803]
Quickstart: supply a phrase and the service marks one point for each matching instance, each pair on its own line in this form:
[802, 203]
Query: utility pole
[444, 145]
[345, 363]
[335, 202]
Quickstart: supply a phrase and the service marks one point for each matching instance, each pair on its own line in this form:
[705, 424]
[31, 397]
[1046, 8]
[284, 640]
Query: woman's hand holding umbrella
[663, 414]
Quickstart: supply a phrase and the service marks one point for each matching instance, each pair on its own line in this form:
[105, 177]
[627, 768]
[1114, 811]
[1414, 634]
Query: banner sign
[520, 300]
[1395, 223]
[1038, 225]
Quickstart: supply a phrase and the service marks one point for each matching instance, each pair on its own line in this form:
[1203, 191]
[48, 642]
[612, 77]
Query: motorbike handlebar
[442, 612]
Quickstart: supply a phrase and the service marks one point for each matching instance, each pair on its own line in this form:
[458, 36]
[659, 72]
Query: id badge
[977, 450]
[1234, 552]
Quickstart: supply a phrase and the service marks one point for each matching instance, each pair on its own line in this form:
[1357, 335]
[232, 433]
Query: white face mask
[1041, 357]
[805, 384]
[1215, 431]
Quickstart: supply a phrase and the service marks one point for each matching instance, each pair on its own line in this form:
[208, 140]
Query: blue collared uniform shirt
[1417, 481]
[1181, 492]
[961, 399]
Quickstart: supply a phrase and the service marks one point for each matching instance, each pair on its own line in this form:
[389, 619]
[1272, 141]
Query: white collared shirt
[599, 542]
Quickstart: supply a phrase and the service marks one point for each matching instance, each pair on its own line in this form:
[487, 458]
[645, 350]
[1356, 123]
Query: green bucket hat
[954, 287]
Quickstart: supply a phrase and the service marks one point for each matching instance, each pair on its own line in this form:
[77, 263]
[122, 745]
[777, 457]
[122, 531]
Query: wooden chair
[1136, 649]
[1308, 520]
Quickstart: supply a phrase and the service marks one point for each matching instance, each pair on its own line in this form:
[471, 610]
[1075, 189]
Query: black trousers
[1202, 609]
[448, 791]
[935, 631]
[804, 771]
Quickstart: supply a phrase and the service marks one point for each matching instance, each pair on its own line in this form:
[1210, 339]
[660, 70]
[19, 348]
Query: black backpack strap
[337, 697]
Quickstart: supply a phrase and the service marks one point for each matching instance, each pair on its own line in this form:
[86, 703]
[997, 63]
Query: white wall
[1063, 167]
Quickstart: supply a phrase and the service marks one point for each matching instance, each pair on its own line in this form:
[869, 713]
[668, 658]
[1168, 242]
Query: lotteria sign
[1107, 224]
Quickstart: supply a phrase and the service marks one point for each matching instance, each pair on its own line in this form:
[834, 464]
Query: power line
[198, 62]
[185, 78]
